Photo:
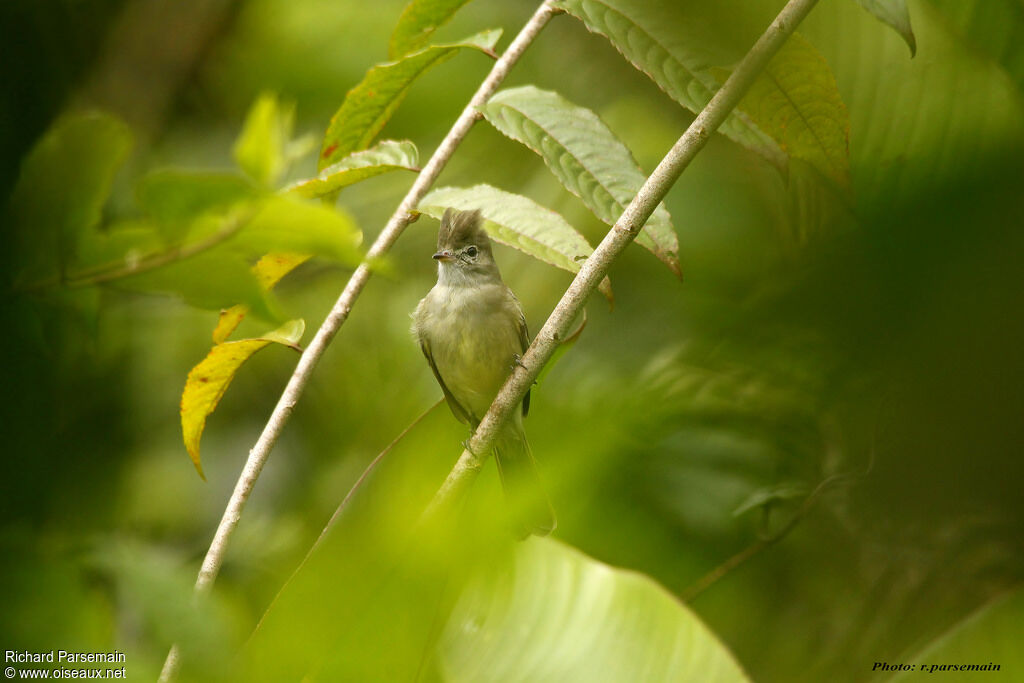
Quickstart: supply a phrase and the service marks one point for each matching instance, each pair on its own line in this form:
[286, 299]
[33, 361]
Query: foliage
[844, 342]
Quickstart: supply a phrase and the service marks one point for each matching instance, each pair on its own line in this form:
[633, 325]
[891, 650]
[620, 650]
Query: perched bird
[472, 331]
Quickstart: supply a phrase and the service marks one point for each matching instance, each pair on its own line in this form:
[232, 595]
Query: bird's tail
[531, 510]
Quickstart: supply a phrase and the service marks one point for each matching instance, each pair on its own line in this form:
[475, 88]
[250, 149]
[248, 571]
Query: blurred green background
[868, 352]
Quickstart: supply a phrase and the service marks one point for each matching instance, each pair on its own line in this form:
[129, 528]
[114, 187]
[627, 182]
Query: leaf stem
[339, 313]
[614, 243]
[98, 275]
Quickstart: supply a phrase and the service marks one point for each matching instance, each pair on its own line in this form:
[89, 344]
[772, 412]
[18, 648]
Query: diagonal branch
[339, 313]
[613, 244]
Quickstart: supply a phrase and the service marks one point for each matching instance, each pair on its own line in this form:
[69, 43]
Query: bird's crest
[459, 228]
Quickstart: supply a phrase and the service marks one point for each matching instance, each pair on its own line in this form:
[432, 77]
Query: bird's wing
[461, 414]
[524, 339]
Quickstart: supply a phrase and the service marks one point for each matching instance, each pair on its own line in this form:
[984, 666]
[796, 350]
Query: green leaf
[268, 271]
[773, 494]
[208, 380]
[520, 223]
[419, 20]
[174, 198]
[289, 224]
[120, 246]
[585, 156]
[797, 102]
[992, 635]
[369, 105]
[262, 148]
[895, 14]
[210, 280]
[659, 45]
[559, 615]
[64, 183]
[385, 156]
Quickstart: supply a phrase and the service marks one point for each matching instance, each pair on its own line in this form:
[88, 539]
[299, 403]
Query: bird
[472, 332]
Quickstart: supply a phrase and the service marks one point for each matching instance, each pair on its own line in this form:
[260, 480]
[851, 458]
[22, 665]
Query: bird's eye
[471, 251]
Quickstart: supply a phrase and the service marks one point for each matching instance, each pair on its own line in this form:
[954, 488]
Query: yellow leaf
[227, 322]
[272, 267]
[268, 270]
[208, 380]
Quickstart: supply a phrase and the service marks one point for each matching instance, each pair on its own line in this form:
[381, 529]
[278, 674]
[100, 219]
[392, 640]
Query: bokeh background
[853, 367]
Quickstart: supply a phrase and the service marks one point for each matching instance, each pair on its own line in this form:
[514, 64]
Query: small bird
[472, 331]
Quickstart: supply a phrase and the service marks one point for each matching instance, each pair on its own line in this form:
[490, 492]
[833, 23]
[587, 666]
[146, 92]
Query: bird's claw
[517, 361]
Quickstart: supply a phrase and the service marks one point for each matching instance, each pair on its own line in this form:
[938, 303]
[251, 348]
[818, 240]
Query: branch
[716, 574]
[339, 313]
[613, 244]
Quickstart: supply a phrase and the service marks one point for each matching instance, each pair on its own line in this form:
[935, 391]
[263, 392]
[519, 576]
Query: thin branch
[613, 244]
[713, 576]
[339, 313]
[98, 275]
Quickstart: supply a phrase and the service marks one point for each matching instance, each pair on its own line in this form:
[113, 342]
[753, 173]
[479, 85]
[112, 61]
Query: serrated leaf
[268, 271]
[383, 157]
[659, 46]
[418, 21]
[520, 223]
[208, 380]
[558, 615]
[369, 105]
[174, 198]
[64, 182]
[585, 156]
[895, 14]
[797, 102]
[262, 148]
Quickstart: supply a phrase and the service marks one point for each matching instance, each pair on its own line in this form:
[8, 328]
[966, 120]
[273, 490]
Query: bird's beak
[444, 255]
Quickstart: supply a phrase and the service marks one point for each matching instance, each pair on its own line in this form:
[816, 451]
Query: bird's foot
[517, 361]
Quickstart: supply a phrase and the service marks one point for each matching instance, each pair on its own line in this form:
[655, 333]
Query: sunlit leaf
[895, 14]
[174, 198]
[660, 46]
[208, 380]
[383, 157]
[369, 105]
[228, 321]
[272, 267]
[290, 224]
[518, 222]
[585, 156]
[64, 183]
[418, 21]
[559, 615]
[262, 147]
[990, 636]
[797, 102]
[268, 270]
